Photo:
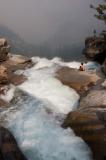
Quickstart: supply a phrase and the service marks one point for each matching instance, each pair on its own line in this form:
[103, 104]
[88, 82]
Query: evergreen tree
[101, 11]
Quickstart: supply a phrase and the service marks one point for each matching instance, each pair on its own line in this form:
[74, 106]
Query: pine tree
[101, 11]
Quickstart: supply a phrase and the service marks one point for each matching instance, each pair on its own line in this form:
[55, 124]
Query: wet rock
[89, 123]
[81, 81]
[9, 149]
[8, 68]
[11, 63]
[94, 98]
[17, 62]
[4, 49]
[17, 79]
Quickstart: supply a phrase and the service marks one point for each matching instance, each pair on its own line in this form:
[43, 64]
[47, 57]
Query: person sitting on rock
[81, 68]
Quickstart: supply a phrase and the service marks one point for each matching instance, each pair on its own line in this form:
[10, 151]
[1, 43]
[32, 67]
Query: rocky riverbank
[89, 120]
[9, 64]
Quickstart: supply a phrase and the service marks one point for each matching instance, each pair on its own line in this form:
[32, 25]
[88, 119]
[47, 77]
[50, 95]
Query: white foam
[40, 136]
[92, 66]
[43, 85]
[36, 124]
[75, 64]
[60, 62]
[44, 62]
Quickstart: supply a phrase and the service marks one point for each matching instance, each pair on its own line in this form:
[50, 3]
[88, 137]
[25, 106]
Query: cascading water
[36, 121]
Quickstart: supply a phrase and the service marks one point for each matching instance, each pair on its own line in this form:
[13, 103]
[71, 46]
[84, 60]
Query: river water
[38, 110]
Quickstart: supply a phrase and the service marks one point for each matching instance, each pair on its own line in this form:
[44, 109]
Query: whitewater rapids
[40, 111]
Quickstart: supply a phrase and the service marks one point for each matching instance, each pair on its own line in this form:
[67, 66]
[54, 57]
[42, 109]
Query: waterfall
[37, 112]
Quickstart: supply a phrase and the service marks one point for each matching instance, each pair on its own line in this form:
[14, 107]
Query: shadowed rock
[9, 149]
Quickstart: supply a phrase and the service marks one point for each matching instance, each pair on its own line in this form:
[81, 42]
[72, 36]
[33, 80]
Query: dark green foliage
[101, 11]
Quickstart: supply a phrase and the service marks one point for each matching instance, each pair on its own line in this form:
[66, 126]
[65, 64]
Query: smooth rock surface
[81, 81]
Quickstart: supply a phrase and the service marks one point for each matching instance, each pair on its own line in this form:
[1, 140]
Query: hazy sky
[39, 21]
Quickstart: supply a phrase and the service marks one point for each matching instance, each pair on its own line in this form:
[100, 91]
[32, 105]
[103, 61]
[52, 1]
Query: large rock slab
[90, 124]
[81, 81]
[17, 62]
[9, 149]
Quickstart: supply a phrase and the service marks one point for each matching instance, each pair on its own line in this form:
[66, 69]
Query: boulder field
[9, 64]
[89, 120]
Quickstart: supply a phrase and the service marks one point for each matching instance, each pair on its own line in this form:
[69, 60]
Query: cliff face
[95, 48]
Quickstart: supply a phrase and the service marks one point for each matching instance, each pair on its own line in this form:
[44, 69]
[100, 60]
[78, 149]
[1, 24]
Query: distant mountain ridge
[17, 44]
[49, 49]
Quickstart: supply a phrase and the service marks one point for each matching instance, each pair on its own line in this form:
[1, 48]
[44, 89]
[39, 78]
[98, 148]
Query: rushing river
[38, 110]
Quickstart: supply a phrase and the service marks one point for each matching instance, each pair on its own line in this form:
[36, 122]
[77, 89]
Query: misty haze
[51, 27]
